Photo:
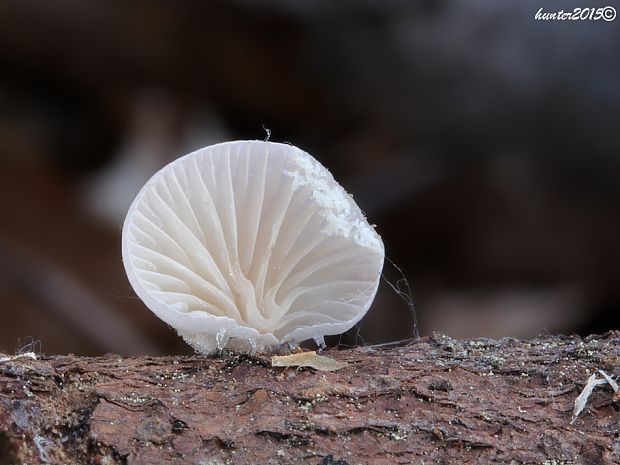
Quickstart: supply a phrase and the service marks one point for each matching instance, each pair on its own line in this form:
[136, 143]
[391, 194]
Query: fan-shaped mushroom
[250, 244]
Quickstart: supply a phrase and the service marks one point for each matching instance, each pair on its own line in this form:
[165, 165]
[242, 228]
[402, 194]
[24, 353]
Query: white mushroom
[248, 245]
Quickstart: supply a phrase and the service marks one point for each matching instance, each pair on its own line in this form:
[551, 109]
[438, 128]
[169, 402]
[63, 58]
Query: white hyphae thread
[248, 245]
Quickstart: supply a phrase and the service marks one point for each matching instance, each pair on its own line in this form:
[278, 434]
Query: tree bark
[436, 400]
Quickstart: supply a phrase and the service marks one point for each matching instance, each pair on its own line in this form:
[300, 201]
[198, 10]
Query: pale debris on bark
[593, 381]
[307, 359]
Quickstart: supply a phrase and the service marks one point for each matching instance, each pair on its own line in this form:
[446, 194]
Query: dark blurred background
[484, 144]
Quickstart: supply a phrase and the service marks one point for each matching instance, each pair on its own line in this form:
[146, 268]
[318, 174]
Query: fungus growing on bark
[249, 245]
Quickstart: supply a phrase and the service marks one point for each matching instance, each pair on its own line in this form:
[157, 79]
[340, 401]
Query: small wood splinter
[307, 359]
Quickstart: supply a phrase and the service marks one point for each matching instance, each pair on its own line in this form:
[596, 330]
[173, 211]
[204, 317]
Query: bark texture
[437, 400]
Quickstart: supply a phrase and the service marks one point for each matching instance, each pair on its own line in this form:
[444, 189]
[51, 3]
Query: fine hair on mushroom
[248, 245]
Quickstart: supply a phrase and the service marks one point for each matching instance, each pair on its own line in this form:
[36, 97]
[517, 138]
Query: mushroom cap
[250, 244]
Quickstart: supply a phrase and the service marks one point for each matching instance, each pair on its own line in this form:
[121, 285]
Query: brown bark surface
[437, 400]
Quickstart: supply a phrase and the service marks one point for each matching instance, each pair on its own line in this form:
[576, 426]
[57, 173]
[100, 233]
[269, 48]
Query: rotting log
[436, 400]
